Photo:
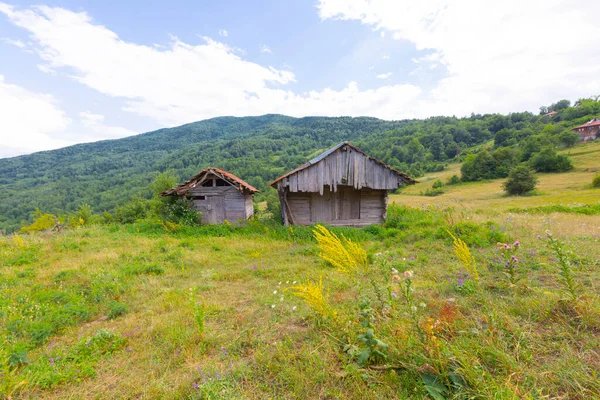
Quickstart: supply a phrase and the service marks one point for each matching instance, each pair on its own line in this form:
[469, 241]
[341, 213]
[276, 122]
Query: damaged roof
[198, 178]
[407, 179]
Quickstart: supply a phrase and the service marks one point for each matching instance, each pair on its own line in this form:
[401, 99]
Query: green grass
[134, 311]
[112, 312]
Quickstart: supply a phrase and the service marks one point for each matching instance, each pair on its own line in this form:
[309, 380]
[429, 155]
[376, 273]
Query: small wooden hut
[218, 194]
[343, 186]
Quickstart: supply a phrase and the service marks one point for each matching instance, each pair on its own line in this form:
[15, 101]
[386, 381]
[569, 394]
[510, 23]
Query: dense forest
[109, 173]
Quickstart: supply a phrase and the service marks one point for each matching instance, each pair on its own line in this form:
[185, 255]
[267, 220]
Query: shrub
[596, 181]
[454, 180]
[520, 180]
[438, 184]
[41, 222]
[547, 160]
[136, 209]
[432, 192]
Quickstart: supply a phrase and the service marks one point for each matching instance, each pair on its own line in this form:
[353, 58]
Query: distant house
[589, 130]
[343, 186]
[218, 194]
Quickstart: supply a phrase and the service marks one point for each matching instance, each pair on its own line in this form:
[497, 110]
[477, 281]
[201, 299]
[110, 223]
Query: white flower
[293, 283]
[274, 291]
[279, 283]
[281, 299]
[272, 305]
[422, 305]
[294, 308]
[286, 282]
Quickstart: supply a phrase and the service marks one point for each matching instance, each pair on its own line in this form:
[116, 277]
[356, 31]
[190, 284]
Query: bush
[520, 180]
[41, 222]
[136, 209]
[548, 161]
[438, 184]
[596, 181]
[454, 180]
[432, 192]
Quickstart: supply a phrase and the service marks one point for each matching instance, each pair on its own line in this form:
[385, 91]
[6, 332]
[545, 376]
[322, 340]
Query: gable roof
[193, 182]
[404, 177]
[593, 122]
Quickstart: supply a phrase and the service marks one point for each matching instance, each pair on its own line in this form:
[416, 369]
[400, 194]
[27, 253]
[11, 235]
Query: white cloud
[265, 49]
[382, 34]
[30, 121]
[95, 127]
[500, 56]
[189, 82]
[384, 76]
[223, 32]
[18, 43]
[386, 57]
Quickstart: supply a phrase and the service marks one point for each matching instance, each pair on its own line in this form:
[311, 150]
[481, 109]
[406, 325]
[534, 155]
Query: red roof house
[589, 130]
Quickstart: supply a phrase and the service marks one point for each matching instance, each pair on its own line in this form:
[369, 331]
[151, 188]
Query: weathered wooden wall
[221, 203]
[347, 206]
[345, 166]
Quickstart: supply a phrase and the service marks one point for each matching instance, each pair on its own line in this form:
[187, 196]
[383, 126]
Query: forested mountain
[258, 149]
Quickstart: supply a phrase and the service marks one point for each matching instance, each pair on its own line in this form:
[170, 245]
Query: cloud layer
[187, 82]
[30, 121]
[500, 56]
[491, 56]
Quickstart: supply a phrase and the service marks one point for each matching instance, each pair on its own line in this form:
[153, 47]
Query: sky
[74, 71]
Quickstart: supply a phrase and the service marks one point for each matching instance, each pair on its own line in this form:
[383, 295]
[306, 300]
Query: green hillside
[258, 149]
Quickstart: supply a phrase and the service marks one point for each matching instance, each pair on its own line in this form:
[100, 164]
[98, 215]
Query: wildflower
[394, 295]
[281, 299]
[422, 305]
[274, 291]
[539, 237]
[396, 278]
[413, 308]
[293, 283]
[195, 385]
[408, 274]
[287, 282]
[294, 308]
[516, 244]
[272, 305]
[506, 246]
[394, 271]
[548, 233]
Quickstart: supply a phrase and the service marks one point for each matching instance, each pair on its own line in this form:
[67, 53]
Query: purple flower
[532, 252]
[195, 385]
[539, 237]
[394, 295]
[460, 281]
[516, 244]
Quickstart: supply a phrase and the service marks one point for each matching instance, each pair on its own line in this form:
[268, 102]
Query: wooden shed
[218, 194]
[343, 186]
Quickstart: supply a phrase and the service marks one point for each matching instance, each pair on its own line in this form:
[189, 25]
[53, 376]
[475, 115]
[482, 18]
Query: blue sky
[75, 71]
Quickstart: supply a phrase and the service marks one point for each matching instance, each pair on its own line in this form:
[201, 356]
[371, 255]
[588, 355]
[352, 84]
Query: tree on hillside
[521, 180]
[568, 138]
[547, 160]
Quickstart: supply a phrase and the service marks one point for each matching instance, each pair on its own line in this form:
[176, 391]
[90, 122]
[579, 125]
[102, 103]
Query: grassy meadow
[253, 312]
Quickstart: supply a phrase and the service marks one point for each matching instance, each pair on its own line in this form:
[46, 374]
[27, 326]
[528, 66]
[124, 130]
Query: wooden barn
[218, 194]
[343, 186]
